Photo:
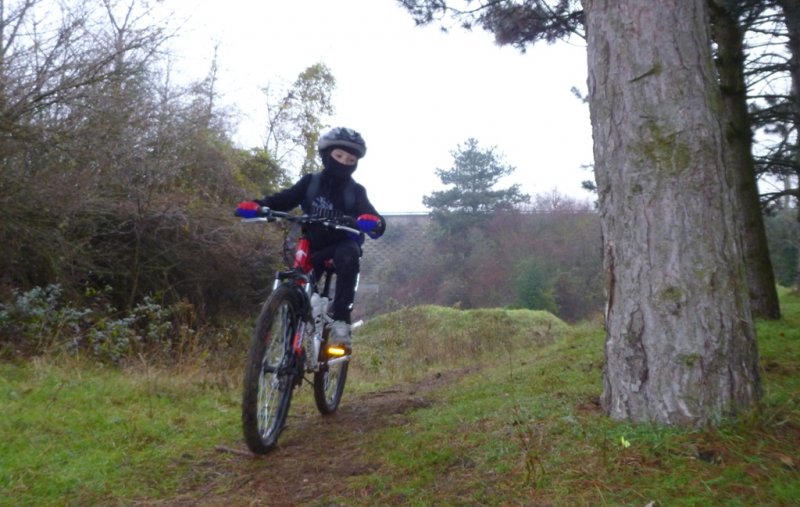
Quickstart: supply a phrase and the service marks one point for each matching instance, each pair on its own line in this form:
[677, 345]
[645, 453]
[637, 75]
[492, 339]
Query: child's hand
[371, 224]
[248, 209]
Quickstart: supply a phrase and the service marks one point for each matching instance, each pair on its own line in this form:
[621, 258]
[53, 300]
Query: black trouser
[345, 255]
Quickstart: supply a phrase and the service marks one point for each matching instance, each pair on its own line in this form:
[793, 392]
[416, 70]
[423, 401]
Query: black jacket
[329, 201]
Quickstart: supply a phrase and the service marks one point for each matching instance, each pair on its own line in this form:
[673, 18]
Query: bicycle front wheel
[271, 371]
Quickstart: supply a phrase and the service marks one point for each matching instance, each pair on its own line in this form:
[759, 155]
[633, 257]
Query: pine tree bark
[739, 136]
[680, 342]
[791, 14]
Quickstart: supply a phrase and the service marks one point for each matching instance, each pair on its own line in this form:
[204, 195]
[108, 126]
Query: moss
[672, 299]
[665, 150]
[689, 359]
[672, 294]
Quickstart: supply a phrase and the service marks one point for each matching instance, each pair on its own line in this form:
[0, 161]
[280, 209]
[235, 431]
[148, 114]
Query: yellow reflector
[335, 350]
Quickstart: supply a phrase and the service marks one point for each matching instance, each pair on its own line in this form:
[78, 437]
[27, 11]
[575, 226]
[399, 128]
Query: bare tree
[295, 119]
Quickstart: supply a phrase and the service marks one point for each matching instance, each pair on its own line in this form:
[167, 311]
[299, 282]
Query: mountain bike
[290, 341]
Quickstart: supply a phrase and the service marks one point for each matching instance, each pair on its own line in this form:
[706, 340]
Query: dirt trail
[314, 454]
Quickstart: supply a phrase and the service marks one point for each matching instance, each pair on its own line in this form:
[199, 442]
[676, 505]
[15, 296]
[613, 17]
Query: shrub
[36, 319]
[534, 287]
[41, 320]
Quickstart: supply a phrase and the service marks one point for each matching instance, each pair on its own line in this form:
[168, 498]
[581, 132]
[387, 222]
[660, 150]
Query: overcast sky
[414, 93]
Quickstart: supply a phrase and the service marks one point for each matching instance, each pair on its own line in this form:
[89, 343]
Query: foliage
[43, 321]
[783, 232]
[456, 267]
[473, 176]
[260, 173]
[533, 287]
[36, 319]
[768, 62]
[772, 74]
[114, 179]
[296, 118]
[516, 23]
[483, 265]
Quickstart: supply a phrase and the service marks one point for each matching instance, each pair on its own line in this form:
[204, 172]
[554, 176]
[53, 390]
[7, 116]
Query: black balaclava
[335, 169]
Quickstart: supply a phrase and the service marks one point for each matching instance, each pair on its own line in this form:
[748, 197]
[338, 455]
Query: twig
[222, 448]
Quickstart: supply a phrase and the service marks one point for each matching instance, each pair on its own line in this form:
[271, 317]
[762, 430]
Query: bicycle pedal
[334, 351]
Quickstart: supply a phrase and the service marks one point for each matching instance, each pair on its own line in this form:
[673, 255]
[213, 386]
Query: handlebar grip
[345, 228]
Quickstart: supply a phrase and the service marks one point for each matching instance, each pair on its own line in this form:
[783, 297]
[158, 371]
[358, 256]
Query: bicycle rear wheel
[271, 371]
[329, 386]
[329, 380]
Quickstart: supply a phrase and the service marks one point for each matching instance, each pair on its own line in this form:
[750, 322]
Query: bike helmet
[343, 138]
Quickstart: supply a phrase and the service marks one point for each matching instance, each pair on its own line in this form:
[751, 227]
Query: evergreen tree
[473, 176]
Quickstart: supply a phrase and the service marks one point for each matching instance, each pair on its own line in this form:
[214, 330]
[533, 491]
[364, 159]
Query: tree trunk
[680, 342]
[791, 14]
[739, 136]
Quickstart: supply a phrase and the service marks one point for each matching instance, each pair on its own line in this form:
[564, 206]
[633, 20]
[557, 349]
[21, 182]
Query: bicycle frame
[301, 276]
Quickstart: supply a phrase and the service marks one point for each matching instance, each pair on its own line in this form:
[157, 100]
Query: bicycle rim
[329, 386]
[270, 374]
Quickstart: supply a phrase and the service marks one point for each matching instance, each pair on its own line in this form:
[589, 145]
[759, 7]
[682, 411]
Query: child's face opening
[343, 157]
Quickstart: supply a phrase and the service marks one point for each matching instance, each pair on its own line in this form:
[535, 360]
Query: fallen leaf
[787, 461]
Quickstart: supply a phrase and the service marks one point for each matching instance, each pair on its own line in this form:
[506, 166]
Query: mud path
[315, 454]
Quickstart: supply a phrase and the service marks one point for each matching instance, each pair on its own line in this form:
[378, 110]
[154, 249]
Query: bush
[41, 320]
[534, 287]
[34, 320]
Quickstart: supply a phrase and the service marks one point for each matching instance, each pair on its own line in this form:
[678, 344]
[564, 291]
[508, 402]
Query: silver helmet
[344, 138]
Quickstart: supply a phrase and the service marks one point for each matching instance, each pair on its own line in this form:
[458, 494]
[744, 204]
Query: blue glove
[248, 209]
[370, 224]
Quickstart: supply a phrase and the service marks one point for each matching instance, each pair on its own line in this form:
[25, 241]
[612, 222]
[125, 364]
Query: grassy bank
[532, 433]
[79, 434]
[524, 430]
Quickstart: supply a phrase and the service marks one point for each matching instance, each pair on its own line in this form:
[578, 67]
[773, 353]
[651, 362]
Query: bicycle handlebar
[269, 215]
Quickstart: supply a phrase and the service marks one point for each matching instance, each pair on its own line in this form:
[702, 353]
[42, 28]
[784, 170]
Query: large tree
[791, 11]
[680, 344]
[728, 18]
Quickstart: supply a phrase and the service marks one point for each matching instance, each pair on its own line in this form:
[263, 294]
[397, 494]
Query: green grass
[525, 429]
[410, 344]
[531, 433]
[80, 434]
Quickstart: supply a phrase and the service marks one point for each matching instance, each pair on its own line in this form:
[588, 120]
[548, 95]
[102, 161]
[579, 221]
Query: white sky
[414, 93]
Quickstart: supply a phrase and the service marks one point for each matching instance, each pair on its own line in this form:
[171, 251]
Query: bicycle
[290, 341]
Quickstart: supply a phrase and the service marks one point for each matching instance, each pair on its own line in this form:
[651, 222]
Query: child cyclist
[332, 193]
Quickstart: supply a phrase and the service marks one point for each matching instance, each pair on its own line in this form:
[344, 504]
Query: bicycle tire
[271, 371]
[329, 386]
